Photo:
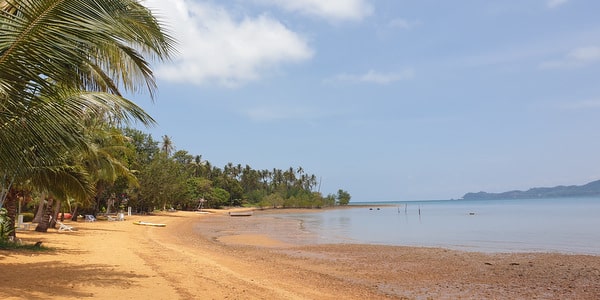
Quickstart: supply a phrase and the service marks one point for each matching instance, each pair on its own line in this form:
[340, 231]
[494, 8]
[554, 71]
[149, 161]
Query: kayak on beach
[149, 224]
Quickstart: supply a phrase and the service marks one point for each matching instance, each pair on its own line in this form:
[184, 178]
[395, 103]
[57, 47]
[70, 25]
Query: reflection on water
[570, 225]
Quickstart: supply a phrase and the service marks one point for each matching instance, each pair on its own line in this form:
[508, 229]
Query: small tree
[343, 197]
[274, 200]
[219, 197]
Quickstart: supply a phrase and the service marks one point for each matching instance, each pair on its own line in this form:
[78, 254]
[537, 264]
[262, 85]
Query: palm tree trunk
[40, 211]
[74, 213]
[57, 206]
[45, 221]
[11, 211]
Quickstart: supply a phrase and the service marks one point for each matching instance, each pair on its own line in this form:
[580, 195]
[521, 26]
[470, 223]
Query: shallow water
[566, 225]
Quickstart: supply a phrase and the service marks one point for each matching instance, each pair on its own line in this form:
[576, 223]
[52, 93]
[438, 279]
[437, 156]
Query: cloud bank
[334, 10]
[216, 47]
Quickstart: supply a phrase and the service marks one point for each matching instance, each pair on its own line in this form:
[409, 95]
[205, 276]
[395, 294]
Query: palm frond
[64, 181]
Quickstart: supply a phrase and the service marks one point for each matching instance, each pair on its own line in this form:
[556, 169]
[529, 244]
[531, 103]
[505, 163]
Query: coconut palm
[61, 61]
[78, 53]
[105, 162]
[167, 145]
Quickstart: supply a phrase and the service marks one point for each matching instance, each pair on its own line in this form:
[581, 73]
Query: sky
[390, 100]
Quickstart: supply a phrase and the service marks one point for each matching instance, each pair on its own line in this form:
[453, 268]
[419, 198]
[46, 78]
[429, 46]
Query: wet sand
[215, 256]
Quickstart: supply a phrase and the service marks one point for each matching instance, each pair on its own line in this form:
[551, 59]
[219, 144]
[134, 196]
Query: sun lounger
[90, 218]
[63, 227]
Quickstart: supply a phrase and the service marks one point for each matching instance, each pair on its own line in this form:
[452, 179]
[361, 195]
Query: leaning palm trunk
[56, 214]
[74, 213]
[46, 218]
[40, 210]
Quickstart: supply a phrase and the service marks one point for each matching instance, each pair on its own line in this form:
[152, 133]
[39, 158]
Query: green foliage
[198, 187]
[272, 200]
[329, 200]
[343, 197]
[257, 197]
[27, 217]
[218, 198]
[5, 229]
[180, 180]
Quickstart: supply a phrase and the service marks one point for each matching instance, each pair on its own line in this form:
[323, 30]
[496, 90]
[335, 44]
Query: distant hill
[587, 190]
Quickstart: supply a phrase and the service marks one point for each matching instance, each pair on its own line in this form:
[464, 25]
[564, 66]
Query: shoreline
[104, 260]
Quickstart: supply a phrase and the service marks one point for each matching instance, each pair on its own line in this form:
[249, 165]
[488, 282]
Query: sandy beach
[215, 256]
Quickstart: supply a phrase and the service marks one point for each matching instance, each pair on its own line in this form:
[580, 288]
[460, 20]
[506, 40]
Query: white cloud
[335, 10]
[374, 77]
[216, 47]
[576, 58]
[403, 24]
[555, 3]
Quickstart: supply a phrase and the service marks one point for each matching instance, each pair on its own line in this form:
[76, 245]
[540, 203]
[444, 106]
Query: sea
[563, 225]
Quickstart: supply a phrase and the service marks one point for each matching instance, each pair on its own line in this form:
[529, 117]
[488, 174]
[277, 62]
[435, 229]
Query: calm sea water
[566, 225]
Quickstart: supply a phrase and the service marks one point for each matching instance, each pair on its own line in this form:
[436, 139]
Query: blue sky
[387, 99]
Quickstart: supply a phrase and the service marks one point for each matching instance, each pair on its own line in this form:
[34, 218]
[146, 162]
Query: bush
[5, 229]
[27, 217]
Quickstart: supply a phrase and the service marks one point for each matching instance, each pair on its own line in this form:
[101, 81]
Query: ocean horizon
[562, 225]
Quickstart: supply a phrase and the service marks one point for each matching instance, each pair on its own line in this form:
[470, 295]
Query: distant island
[587, 190]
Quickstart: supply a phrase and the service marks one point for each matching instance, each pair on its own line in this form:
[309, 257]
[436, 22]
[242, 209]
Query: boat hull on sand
[240, 213]
[150, 224]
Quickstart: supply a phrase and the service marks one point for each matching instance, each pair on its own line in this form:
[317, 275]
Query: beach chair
[62, 226]
[90, 218]
[110, 218]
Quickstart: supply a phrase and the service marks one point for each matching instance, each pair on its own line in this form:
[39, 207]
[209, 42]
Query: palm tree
[167, 145]
[74, 52]
[197, 166]
[107, 160]
[61, 61]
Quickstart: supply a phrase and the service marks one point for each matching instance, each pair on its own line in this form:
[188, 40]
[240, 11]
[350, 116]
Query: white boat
[241, 213]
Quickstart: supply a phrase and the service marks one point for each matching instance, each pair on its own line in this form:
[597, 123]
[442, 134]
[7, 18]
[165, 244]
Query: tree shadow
[54, 279]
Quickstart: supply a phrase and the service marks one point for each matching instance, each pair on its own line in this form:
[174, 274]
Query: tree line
[180, 180]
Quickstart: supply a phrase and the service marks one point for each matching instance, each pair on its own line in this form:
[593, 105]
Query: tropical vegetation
[180, 180]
